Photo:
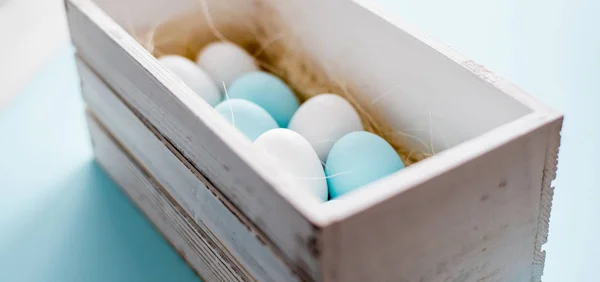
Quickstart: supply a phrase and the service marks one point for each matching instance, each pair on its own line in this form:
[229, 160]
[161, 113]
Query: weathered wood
[157, 206]
[476, 211]
[241, 245]
[420, 86]
[477, 220]
[216, 149]
[546, 195]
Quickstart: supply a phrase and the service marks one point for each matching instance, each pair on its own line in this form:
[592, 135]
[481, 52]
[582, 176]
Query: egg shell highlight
[267, 91]
[246, 116]
[290, 151]
[194, 77]
[357, 159]
[323, 119]
[225, 61]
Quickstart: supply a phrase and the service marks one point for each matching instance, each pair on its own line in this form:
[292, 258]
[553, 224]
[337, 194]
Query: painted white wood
[204, 203]
[141, 15]
[547, 193]
[412, 83]
[476, 211]
[481, 253]
[180, 230]
[477, 221]
[135, 15]
[433, 167]
[420, 86]
[217, 150]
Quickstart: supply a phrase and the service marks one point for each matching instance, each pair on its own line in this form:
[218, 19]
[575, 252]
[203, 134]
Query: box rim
[540, 113]
[402, 181]
[496, 81]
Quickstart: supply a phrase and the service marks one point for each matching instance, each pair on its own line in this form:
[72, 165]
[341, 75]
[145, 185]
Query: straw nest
[276, 50]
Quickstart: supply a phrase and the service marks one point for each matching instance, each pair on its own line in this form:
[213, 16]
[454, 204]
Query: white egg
[290, 151]
[193, 76]
[323, 120]
[225, 61]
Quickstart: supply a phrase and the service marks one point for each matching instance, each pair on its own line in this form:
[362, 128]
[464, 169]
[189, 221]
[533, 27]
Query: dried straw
[276, 50]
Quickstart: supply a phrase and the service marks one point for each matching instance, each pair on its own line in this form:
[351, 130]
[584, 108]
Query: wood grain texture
[240, 243]
[216, 149]
[477, 211]
[547, 193]
[174, 224]
[476, 221]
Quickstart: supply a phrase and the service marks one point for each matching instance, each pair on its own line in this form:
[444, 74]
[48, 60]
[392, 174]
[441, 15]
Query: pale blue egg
[267, 91]
[248, 117]
[357, 159]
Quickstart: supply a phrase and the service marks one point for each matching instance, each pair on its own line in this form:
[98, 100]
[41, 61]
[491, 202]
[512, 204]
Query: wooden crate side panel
[211, 145]
[243, 247]
[475, 222]
[547, 193]
[174, 224]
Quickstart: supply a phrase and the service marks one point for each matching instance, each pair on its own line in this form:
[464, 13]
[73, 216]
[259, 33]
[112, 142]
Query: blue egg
[248, 117]
[267, 91]
[357, 159]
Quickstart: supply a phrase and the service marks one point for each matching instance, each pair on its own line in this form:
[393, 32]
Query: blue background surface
[62, 219]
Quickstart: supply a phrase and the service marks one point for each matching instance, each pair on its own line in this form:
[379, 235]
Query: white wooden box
[477, 210]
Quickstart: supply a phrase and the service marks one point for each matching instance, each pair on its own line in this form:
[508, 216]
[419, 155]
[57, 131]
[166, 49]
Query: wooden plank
[238, 240]
[216, 149]
[546, 195]
[174, 224]
[478, 221]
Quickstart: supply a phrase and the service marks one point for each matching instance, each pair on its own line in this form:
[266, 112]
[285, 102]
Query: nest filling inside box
[277, 50]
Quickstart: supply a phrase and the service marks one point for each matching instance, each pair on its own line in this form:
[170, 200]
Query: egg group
[319, 146]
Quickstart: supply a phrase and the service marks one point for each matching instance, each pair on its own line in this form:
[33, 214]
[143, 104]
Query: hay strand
[276, 50]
